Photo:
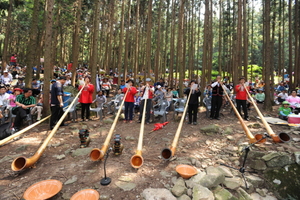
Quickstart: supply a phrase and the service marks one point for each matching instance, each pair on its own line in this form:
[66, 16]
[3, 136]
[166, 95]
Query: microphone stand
[106, 180]
[246, 149]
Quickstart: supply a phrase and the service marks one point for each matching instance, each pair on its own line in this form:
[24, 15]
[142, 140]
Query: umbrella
[158, 126]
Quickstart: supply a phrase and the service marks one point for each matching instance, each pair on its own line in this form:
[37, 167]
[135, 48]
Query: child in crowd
[260, 96]
[100, 99]
[284, 110]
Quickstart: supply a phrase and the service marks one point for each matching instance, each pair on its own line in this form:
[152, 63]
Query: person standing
[129, 100]
[13, 60]
[193, 102]
[241, 97]
[147, 95]
[86, 98]
[217, 98]
[56, 101]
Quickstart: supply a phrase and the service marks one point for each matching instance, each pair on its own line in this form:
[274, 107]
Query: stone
[297, 157]
[179, 188]
[255, 181]
[9, 158]
[232, 183]
[202, 193]
[184, 197]
[126, 186]
[71, 180]
[255, 155]
[130, 138]
[108, 121]
[59, 157]
[212, 180]
[243, 195]
[195, 180]
[270, 156]
[213, 128]
[157, 194]
[230, 137]
[226, 171]
[125, 178]
[280, 161]
[228, 131]
[261, 192]
[66, 196]
[81, 152]
[189, 192]
[22, 148]
[258, 165]
[223, 194]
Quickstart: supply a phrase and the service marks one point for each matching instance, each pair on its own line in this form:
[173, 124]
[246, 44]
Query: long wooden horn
[246, 129]
[97, 154]
[21, 162]
[168, 153]
[137, 160]
[4, 141]
[282, 137]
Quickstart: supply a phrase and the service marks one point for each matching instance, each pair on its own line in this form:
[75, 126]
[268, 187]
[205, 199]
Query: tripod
[246, 149]
[106, 180]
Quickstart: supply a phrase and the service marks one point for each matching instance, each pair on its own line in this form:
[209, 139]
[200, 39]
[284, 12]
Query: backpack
[5, 130]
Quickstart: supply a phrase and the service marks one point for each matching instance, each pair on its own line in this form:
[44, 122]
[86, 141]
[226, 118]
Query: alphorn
[246, 129]
[97, 154]
[137, 160]
[21, 162]
[4, 141]
[281, 137]
[168, 153]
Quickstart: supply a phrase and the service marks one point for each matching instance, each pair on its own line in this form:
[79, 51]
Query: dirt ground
[152, 174]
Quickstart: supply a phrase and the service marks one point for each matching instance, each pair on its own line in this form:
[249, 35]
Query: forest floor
[60, 162]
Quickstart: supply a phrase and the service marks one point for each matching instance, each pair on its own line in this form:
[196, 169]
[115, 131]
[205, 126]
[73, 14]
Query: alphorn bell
[246, 129]
[98, 154]
[21, 162]
[168, 153]
[4, 141]
[137, 160]
[281, 137]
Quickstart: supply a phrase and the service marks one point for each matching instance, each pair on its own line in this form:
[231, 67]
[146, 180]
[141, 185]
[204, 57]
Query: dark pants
[216, 103]
[193, 110]
[56, 113]
[106, 92]
[242, 103]
[85, 108]
[21, 114]
[129, 110]
[148, 109]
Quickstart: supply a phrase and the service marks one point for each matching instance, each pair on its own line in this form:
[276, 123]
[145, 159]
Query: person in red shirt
[241, 97]
[69, 67]
[86, 98]
[129, 100]
[13, 60]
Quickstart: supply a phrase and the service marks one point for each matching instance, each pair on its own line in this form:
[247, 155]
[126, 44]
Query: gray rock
[195, 180]
[81, 152]
[104, 197]
[226, 171]
[179, 188]
[157, 194]
[9, 158]
[66, 196]
[258, 165]
[125, 178]
[232, 183]
[184, 197]
[256, 155]
[59, 157]
[212, 180]
[108, 121]
[189, 192]
[129, 138]
[126, 186]
[202, 193]
[243, 195]
[228, 131]
[223, 194]
[213, 128]
[297, 157]
[22, 148]
[71, 180]
[230, 137]
[271, 156]
[280, 161]
[261, 192]
[255, 181]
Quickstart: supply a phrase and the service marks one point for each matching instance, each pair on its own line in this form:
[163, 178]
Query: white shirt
[4, 99]
[146, 94]
[215, 84]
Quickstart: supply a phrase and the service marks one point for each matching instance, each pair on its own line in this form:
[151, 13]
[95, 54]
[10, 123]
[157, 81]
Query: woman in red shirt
[241, 98]
[13, 60]
[86, 98]
[129, 101]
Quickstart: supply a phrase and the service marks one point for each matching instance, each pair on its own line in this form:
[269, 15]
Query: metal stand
[246, 149]
[106, 180]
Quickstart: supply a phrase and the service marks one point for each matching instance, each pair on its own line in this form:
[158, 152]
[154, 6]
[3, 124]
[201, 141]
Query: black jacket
[194, 99]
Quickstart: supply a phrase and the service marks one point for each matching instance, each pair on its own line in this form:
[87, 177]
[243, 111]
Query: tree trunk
[180, 45]
[245, 37]
[290, 66]
[158, 43]
[121, 40]
[5, 55]
[148, 34]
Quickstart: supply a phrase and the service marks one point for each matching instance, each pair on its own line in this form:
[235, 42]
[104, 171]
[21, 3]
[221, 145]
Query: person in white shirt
[6, 78]
[3, 97]
[282, 96]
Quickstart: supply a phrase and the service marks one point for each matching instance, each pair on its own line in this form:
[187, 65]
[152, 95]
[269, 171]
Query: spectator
[294, 100]
[3, 98]
[38, 109]
[36, 87]
[113, 101]
[122, 85]
[20, 84]
[175, 93]
[80, 80]
[282, 96]
[86, 98]
[13, 60]
[284, 110]
[12, 98]
[6, 78]
[106, 86]
[208, 91]
[100, 99]
[168, 96]
[68, 81]
[70, 65]
[24, 103]
[137, 101]
[260, 96]
[159, 94]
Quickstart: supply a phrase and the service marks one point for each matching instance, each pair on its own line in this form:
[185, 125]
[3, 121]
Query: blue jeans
[128, 110]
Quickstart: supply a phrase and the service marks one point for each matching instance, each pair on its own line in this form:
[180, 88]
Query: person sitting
[38, 109]
[113, 101]
[68, 81]
[282, 96]
[175, 93]
[20, 84]
[100, 99]
[294, 100]
[36, 87]
[24, 103]
[12, 100]
[137, 101]
[208, 91]
[284, 110]
[159, 94]
[260, 96]
[122, 85]
[6, 78]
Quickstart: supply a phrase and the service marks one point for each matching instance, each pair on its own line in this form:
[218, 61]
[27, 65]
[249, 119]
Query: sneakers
[195, 123]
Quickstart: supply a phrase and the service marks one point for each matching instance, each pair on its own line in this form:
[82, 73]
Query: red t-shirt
[241, 94]
[13, 59]
[70, 66]
[130, 94]
[86, 94]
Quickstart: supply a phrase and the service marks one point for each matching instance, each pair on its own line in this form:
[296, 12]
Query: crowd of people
[20, 101]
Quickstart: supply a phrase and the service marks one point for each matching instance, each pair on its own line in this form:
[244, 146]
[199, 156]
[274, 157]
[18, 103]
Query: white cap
[159, 86]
